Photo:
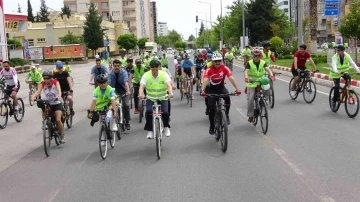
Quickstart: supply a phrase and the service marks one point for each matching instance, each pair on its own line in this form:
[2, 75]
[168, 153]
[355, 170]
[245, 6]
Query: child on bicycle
[35, 77]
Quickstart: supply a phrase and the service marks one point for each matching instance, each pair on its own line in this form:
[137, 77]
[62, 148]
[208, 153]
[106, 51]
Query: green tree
[93, 34]
[141, 42]
[70, 38]
[127, 41]
[44, 14]
[180, 45]
[202, 28]
[19, 8]
[14, 43]
[212, 37]
[163, 41]
[276, 42]
[65, 11]
[30, 12]
[173, 37]
[191, 38]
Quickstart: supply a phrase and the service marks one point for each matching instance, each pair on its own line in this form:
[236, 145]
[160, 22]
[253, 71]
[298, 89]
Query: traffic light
[197, 19]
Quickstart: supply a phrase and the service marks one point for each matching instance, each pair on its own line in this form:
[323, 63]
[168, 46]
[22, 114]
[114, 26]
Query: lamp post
[206, 33]
[243, 23]
[211, 26]
[221, 27]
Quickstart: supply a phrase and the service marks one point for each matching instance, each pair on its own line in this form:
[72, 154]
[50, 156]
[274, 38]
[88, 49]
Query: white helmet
[97, 56]
[32, 67]
[216, 57]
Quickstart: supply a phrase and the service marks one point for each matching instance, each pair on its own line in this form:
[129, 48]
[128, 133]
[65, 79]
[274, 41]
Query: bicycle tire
[69, 120]
[224, 132]
[263, 113]
[187, 95]
[47, 133]
[119, 131]
[190, 96]
[297, 93]
[158, 138]
[30, 95]
[352, 92]
[338, 103]
[181, 94]
[313, 89]
[256, 113]
[4, 112]
[21, 110]
[103, 130]
[112, 140]
[272, 95]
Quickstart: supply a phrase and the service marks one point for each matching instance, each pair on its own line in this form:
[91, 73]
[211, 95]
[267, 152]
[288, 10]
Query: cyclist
[142, 56]
[229, 56]
[135, 75]
[65, 83]
[208, 60]
[266, 53]
[178, 72]
[147, 62]
[35, 77]
[206, 68]
[103, 97]
[199, 67]
[215, 76]
[187, 68]
[129, 66]
[246, 54]
[38, 68]
[123, 60]
[255, 70]
[341, 63]
[157, 84]
[12, 83]
[164, 61]
[300, 58]
[97, 70]
[52, 91]
[118, 79]
[67, 68]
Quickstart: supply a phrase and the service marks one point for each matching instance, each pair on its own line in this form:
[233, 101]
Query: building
[134, 13]
[162, 29]
[154, 18]
[284, 5]
[51, 33]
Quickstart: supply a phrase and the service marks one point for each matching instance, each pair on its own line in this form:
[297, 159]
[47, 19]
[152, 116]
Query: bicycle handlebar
[221, 95]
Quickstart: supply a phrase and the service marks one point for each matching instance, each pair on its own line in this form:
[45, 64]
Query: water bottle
[108, 116]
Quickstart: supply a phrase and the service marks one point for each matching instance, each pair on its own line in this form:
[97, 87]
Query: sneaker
[167, 132]
[251, 119]
[136, 111]
[293, 93]
[114, 127]
[127, 126]
[62, 140]
[212, 130]
[228, 120]
[150, 135]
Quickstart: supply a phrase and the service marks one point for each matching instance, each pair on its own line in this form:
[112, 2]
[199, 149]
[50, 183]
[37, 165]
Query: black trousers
[212, 102]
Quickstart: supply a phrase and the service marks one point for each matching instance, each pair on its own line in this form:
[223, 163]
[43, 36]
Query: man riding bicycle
[246, 54]
[97, 70]
[135, 75]
[164, 61]
[255, 70]
[341, 63]
[35, 78]
[129, 66]
[229, 56]
[187, 69]
[266, 54]
[215, 75]
[300, 58]
[12, 83]
[199, 67]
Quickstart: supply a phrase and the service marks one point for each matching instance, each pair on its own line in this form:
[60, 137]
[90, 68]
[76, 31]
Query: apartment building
[284, 5]
[163, 29]
[154, 18]
[134, 13]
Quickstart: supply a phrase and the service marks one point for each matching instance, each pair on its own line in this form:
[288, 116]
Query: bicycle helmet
[59, 64]
[101, 78]
[32, 67]
[216, 57]
[155, 62]
[256, 53]
[186, 56]
[266, 44]
[137, 61]
[130, 60]
[209, 55]
[47, 74]
[97, 56]
[303, 46]
[340, 47]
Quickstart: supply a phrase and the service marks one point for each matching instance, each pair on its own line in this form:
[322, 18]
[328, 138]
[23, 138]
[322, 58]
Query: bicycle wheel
[256, 113]
[19, 116]
[190, 95]
[131, 97]
[337, 103]
[264, 119]
[224, 132]
[30, 95]
[112, 140]
[4, 113]
[271, 95]
[187, 94]
[47, 133]
[103, 139]
[297, 94]
[157, 131]
[352, 101]
[69, 117]
[181, 93]
[119, 131]
[310, 89]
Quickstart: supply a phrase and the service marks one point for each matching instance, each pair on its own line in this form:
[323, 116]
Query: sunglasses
[217, 61]
[101, 82]
[154, 66]
[46, 78]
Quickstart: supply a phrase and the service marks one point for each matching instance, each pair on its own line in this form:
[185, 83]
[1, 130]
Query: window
[83, 5]
[126, 13]
[105, 5]
[60, 40]
[31, 42]
[286, 3]
[116, 13]
[286, 10]
[115, 3]
[41, 40]
[125, 3]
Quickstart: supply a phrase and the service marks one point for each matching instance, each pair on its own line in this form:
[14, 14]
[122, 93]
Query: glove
[272, 78]
[203, 94]
[237, 92]
[247, 80]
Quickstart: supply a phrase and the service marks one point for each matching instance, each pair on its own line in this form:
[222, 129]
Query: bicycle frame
[345, 90]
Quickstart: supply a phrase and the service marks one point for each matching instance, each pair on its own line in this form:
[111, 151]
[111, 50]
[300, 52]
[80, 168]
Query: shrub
[276, 42]
[18, 62]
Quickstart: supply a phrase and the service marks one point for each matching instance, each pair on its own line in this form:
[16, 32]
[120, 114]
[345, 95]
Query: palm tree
[313, 26]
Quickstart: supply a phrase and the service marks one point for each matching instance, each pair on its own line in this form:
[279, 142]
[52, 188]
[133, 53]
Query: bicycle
[32, 91]
[141, 107]
[221, 127]
[131, 96]
[347, 96]
[120, 119]
[158, 126]
[260, 108]
[181, 88]
[189, 88]
[7, 109]
[198, 83]
[66, 115]
[229, 64]
[49, 128]
[105, 134]
[307, 85]
[272, 92]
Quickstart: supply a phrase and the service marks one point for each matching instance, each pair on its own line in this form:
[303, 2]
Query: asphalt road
[309, 154]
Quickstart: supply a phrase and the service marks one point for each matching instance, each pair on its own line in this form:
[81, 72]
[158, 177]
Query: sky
[179, 15]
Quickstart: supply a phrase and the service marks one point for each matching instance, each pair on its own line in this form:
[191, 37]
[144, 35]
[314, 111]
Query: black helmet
[101, 78]
[130, 60]
[266, 44]
[155, 62]
[302, 46]
[137, 61]
[47, 74]
[340, 47]
[186, 56]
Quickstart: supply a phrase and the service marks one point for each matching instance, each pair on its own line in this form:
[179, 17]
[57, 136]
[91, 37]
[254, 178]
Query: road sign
[331, 7]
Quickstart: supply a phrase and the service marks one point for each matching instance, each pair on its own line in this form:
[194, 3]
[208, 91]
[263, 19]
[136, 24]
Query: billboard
[35, 53]
[65, 51]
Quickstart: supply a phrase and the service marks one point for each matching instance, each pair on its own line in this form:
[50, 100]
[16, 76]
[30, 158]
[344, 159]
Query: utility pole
[300, 5]
[221, 28]
[243, 23]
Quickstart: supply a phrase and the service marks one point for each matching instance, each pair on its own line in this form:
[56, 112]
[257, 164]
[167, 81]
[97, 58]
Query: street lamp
[206, 33]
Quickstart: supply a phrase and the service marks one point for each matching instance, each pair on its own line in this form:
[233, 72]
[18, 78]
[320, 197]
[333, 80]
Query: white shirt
[335, 60]
[143, 78]
[10, 76]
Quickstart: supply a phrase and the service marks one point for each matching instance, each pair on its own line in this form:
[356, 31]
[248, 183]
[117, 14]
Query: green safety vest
[341, 68]
[35, 76]
[208, 64]
[266, 58]
[247, 52]
[103, 100]
[103, 62]
[123, 62]
[255, 74]
[138, 74]
[229, 56]
[333, 44]
[142, 56]
[156, 88]
[164, 60]
[147, 62]
[346, 45]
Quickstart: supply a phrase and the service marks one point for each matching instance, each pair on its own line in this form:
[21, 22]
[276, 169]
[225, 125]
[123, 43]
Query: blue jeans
[148, 114]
